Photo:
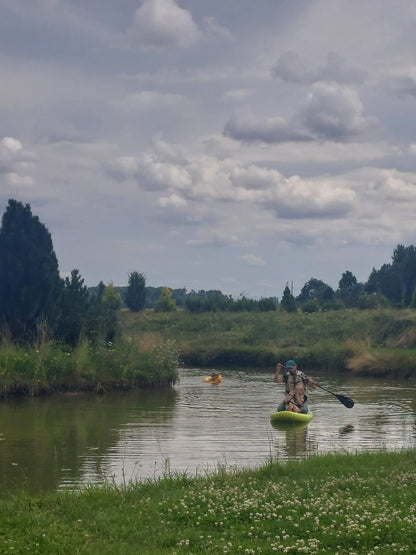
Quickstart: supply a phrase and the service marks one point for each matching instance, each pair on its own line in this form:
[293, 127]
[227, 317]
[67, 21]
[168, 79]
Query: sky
[232, 145]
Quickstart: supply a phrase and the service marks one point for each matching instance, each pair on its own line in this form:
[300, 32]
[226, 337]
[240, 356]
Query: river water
[66, 441]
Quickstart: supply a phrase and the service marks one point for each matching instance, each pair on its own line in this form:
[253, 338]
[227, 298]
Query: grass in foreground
[331, 504]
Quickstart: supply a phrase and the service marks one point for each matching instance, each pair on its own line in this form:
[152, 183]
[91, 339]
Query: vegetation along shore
[336, 504]
[56, 334]
[378, 342]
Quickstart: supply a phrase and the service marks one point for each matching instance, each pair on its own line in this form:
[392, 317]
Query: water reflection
[67, 441]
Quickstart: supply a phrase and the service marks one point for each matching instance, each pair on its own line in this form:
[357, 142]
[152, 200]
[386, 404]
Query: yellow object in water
[213, 379]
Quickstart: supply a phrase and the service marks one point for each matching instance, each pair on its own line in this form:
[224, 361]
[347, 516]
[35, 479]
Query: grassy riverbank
[145, 354]
[362, 504]
[369, 342]
[46, 367]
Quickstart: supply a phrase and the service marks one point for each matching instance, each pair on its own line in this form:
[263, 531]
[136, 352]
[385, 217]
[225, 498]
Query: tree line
[33, 295]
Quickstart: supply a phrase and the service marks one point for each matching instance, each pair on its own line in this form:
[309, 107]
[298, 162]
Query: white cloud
[163, 24]
[10, 146]
[291, 68]
[333, 112]
[16, 164]
[252, 260]
[275, 129]
[150, 100]
[403, 81]
[215, 30]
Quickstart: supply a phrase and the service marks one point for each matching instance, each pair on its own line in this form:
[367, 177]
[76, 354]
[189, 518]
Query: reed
[45, 366]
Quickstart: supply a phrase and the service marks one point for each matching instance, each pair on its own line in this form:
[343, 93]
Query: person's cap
[290, 364]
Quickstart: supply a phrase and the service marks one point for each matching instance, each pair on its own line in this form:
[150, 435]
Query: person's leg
[281, 406]
[304, 409]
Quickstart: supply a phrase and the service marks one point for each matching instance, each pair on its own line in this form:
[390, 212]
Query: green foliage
[136, 292]
[165, 302]
[311, 305]
[349, 290]
[397, 280]
[267, 304]
[108, 306]
[372, 301]
[288, 301]
[324, 339]
[413, 301]
[49, 367]
[316, 290]
[74, 305]
[30, 285]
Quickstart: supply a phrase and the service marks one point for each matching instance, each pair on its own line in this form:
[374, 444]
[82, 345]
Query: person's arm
[278, 378]
[308, 381]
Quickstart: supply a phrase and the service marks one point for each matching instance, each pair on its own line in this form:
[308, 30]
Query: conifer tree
[74, 305]
[136, 292]
[288, 301]
[30, 285]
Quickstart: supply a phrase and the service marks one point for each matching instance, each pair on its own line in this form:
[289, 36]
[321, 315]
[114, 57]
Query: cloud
[403, 81]
[203, 179]
[16, 164]
[333, 112]
[173, 201]
[291, 68]
[150, 173]
[275, 129]
[149, 100]
[252, 260]
[10, 146]
[163, 24]
[215, 30]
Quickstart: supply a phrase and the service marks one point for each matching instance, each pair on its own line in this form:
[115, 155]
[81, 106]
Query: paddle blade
[346, 401]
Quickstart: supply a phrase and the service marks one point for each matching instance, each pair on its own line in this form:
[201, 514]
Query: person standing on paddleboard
[296, 382]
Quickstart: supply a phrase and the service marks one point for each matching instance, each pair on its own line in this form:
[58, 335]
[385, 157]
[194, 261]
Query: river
[67, 441]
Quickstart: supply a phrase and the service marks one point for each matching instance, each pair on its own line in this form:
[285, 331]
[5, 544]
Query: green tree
[349, 289]
[165, 303]
[96, 327]
[74, 306]
[397, 280]
[30, 285]
[267, 304]
[413, 301]
[317, 290]
[110, 304]
[288, 301]
[136, 292]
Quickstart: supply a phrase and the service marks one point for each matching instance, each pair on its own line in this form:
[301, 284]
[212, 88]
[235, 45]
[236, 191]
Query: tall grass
[46, 366]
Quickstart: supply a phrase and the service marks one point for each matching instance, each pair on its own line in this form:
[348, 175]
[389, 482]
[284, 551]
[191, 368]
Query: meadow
[336, 504]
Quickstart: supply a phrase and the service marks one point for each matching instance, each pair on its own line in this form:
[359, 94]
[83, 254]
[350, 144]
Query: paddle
[346, 401]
